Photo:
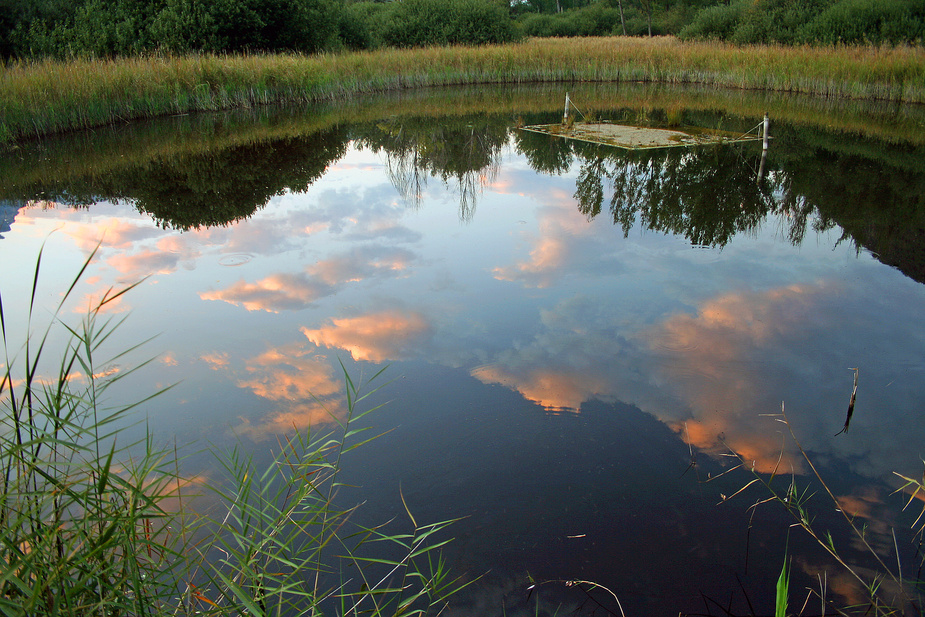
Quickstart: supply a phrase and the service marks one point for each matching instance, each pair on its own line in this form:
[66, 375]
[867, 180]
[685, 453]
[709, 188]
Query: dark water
[578, 337]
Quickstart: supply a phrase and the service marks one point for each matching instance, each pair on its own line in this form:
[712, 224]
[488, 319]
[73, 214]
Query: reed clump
[885, 588]
[94, 526]
[42, 97]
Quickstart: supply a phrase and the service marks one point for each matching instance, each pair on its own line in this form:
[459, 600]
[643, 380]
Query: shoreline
[44, 97]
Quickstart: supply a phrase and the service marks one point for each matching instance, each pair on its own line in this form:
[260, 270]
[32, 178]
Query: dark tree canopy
[108, 28]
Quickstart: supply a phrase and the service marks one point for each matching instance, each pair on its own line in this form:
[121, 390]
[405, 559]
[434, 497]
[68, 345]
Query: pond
[580, 340]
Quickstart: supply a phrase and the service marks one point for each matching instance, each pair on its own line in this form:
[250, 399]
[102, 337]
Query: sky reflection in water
[526, 337]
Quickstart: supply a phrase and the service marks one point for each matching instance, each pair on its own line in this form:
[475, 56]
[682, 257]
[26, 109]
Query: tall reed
[886, 589]
[91, 526]
[37, 98]
[81, 519]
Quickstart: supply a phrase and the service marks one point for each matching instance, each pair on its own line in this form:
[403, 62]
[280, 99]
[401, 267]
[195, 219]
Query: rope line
[572, 104]
[749, 131]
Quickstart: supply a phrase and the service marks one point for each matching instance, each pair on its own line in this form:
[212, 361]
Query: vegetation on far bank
[42, 97]
[109, 28]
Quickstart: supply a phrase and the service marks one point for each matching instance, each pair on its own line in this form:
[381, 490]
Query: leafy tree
[811, 21]
[706, 195]
[111, 27]
[715, 22]
[645, 7]
[776, 21]
[34, 25]
[12, 14]
[126, 27]
[419, 23]
[870, 21]
[359, 24]
[221, 25]
[230, 185]
[595, 20]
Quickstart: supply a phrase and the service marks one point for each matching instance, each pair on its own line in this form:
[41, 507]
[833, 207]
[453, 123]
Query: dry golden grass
[42, 97]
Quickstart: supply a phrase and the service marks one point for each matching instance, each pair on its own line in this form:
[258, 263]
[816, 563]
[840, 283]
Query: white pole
[767, 123]
[764, 156]
[565, 114]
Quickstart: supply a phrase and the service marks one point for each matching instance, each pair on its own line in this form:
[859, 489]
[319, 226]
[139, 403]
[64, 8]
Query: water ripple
[237, 259]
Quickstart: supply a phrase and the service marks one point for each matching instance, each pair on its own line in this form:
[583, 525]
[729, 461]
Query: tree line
[738, 21]
[811, 21]
[108, 28]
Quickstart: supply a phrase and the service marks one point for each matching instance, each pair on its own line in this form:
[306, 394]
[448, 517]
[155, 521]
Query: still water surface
[577, 336]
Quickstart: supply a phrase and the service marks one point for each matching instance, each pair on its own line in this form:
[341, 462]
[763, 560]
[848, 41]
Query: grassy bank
[46, 97]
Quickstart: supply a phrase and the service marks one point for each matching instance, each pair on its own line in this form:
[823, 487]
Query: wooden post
[764, 156]
[764, 146]
[767, 123]
[565, 114]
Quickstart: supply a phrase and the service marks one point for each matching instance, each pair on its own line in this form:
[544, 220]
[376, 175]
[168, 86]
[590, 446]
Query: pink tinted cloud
[560, 229]
[273, 294]
[144, 263]
[376, 337]
[302, 384]
[709, 357]
[215, 360]
[111, 233]
[286, 291]
[105, 301]
[552, 388]
[362, 264]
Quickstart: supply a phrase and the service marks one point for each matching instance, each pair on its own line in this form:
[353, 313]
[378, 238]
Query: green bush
[42, 28]
[536, 24]
[811, 21]
[870, 21]
[359, 24]
[675, 18]
[558, 25]
[13, 13]
[106, 28]
[715, 22]
[246, 25]
[595, 20]
[423, 23]
[637, 25]
[186, 25]
[602, 20]
[776, 21]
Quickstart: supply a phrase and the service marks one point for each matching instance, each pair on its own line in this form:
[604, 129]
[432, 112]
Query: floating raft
[639, 137]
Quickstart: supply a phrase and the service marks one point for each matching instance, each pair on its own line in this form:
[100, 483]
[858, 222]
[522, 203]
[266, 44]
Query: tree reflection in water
[873, 190]
[466, 150]
[185, 190]
[707, 194]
